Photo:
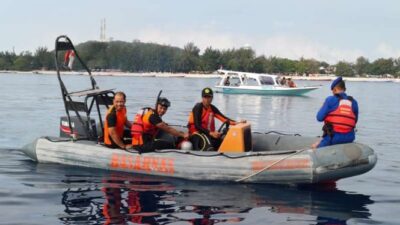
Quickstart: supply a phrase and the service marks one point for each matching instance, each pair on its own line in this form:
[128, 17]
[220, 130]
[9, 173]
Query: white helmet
[186, 145]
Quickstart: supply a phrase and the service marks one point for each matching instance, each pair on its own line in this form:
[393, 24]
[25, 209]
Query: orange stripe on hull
[288, 164]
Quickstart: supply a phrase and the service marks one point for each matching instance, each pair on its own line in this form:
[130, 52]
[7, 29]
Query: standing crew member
[202, 122]
[340, 114]
[116, 122]
[146, 125]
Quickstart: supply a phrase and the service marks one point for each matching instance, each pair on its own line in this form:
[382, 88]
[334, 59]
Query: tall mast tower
[103, 30]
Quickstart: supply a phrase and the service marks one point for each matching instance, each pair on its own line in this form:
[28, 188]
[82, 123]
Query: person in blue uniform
[339, 114]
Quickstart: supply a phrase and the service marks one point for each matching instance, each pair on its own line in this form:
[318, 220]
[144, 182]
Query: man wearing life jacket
[202, 121]
[146, 125]
[340, 114]
[116, 122]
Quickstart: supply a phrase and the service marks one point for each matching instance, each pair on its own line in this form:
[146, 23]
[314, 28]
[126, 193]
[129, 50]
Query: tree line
[138, 56]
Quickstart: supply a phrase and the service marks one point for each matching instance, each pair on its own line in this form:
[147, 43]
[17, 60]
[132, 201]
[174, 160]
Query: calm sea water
[32, 193]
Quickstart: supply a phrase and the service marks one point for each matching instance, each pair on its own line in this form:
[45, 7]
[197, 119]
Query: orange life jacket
[207, 120]
[119, 127]
[142, 126]
[343, 118]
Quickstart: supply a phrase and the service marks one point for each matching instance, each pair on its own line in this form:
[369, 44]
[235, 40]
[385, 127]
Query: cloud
[387, 51]
[296, 47]
[292, 47]
[279, 24]
[180, 38]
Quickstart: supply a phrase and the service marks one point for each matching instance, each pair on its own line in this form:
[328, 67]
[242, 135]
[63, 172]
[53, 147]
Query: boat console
[237, 139]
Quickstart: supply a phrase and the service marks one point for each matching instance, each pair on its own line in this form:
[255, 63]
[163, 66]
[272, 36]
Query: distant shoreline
[318, 77]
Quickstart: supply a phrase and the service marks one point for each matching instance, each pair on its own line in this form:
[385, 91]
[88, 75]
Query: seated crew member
[202, 121]
[283, 81]
[340, 114]
[227, 81]
[291, 83]
[116, 122]
[146, 126]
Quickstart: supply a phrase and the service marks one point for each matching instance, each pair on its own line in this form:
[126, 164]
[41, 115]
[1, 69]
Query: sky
[326, 30]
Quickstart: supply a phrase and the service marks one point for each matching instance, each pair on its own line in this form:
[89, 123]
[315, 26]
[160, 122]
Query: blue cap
[335, 82]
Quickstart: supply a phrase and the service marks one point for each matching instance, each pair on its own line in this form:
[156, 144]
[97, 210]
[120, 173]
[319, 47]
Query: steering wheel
[223, 129]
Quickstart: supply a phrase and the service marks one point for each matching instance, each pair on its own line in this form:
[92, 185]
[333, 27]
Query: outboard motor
[80, 131]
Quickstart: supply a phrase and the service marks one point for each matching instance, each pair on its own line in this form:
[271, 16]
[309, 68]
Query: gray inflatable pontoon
[273, 159]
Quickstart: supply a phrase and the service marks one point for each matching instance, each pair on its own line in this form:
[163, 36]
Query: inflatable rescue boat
[243, 156]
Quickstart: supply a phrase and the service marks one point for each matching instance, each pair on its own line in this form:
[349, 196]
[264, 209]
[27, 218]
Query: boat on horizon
[236, 82]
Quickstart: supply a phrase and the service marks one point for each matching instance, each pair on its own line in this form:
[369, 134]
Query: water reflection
[124, 203]
[326, 203]
[271, 112]
[116, 200]
[124, 199]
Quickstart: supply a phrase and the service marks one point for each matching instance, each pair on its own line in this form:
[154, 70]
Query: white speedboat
[235, 82]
